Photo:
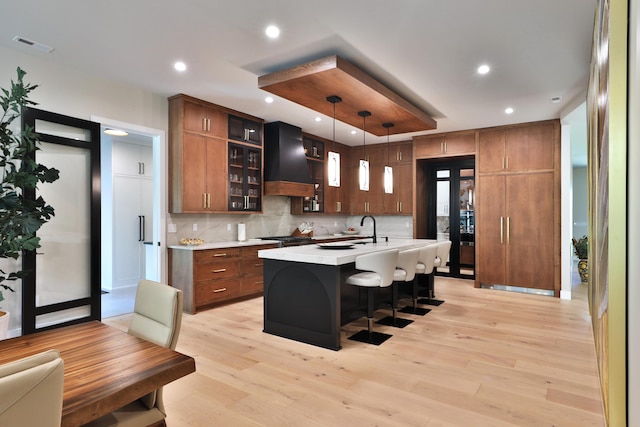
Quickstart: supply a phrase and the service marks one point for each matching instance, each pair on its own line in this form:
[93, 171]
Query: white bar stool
[405, 272]
[444, 247]
[378, 270]
[424, 267]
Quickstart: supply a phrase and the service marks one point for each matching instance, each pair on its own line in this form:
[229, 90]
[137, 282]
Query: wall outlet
[228, 227]
[406, 224]
[195, 227]
[171, 228]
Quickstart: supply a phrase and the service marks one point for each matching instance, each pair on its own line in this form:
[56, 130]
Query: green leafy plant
[20, 217]
[581, 247]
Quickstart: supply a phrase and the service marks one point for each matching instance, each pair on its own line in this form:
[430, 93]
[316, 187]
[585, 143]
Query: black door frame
[29, 309]
[454, 165]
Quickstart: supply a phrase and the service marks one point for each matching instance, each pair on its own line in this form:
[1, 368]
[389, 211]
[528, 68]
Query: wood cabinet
[400, 202]
[518, 149]
[372, 201]
[518, 207]
[516, 230]
[212, 276]
[199, 159]
[198, 174]
[445, 145]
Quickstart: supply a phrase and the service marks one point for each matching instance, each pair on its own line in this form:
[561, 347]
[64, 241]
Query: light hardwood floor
[483, 358]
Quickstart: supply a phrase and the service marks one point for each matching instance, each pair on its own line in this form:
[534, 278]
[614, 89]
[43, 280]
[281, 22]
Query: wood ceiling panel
[310, 84]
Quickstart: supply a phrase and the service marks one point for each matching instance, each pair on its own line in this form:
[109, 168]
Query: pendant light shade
[363, 171]
[333, 157]
[388, 170]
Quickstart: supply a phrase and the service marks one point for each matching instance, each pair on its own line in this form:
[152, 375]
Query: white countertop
[313, 254]
[250, 242]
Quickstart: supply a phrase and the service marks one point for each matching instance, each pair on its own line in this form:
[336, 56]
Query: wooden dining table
[104, 367]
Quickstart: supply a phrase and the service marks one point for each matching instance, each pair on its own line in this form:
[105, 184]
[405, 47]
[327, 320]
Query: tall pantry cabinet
[518, 209]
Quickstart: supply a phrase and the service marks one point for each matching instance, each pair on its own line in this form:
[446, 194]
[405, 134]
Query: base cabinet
[212, 276]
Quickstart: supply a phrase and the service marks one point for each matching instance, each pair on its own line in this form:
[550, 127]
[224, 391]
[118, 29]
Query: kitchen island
[304, 299]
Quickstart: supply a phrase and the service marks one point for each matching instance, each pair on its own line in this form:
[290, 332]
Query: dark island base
[306, 302]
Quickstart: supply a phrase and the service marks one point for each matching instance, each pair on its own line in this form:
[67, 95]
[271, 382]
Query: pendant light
[333, 157]
[363, 171]
[388, 171]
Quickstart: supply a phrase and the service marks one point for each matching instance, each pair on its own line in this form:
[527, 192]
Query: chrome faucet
[375, 238]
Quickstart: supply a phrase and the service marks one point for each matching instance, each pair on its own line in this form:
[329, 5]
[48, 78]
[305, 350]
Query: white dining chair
[31, 391]
[377, 272]
[157, 316]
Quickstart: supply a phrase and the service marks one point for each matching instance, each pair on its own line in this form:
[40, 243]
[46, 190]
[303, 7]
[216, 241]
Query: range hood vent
[286, 171]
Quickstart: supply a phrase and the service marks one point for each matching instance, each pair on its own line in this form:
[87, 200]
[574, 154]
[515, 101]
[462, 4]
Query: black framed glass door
[451, 212]
[64, 285]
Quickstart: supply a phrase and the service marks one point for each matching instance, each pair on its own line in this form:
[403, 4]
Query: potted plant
[20, 216]
[581, 249]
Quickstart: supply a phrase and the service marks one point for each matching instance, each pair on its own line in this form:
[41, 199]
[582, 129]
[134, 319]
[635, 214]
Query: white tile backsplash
[276, 220]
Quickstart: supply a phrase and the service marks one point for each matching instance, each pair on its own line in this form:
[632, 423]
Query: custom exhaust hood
[286, 171]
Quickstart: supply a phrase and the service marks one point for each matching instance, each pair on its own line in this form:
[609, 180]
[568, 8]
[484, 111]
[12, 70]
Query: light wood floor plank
[483, 358]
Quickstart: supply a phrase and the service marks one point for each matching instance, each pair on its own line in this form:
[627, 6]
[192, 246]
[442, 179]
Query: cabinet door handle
[209, 200]
[215, 291]
[204, 124]
[400, 204]
[507, 163]
[338, 206]
[208, 125]
[501, 228]
[503, 163]
[204, 200]
[219, 255]
[508, 229]
[220, 270]
[445, 146]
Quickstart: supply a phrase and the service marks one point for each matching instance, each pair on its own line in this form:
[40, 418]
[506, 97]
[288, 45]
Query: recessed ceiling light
[268, 100]
[115, 132]
[483, 69]
[508, 110]
[317, 119]
[180, 66]
[272, 31]
[556, 99]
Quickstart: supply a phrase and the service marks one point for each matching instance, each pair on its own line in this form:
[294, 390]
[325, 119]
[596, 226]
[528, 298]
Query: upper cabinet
[207, 174]
[245, 130]
[204, 119]
[521, 148]
[445, 145]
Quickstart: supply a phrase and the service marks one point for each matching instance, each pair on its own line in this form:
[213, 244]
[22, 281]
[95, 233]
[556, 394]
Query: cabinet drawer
[210, 292]
[250, 267]
[221, 269]
[215, 255]
[252, 284]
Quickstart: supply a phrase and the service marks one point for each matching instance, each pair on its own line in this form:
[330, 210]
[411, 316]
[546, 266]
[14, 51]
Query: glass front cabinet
[245, 178]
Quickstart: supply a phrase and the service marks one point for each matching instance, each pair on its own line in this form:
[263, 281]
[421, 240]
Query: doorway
[132, 209]
[451, 212]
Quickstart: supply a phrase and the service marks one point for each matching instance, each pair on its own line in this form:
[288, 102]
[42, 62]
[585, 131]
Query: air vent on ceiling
[35, 45]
